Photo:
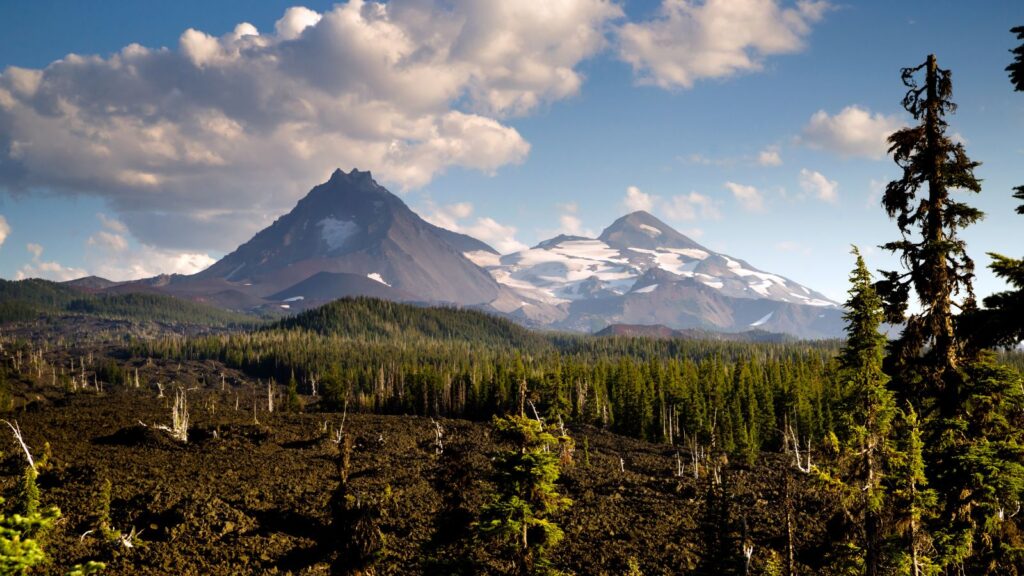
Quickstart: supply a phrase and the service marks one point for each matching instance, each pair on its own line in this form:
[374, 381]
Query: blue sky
[755, 126]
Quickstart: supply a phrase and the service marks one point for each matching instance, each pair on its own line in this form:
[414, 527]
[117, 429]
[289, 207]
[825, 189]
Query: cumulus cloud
[456, 217]
[690, 207]
[572, 225]
[5, 229]
[37, 268]
[689, 40]
[681, 207]
[637, 200]
[854, 131]
[110, 254]
[817, 185]
[202, 144]
[769, 157]
[502, 237]
[749, 197]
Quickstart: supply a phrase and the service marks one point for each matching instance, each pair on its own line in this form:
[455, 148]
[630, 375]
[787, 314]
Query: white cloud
[142, 262]
[816, 184]
[854, 131]
[109, 241]
[769, 157]
[499, 236]
[5, 229]
[569, 207]
[447, 216]
[112, 224]
[38, 268]
[110, 255]
[749, 197]
[690, 207]
[636, 200]
[573, 226]
[691, 40]
[201, 145]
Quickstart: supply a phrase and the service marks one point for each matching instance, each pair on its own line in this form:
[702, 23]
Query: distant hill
[375, 319]
[30, 299]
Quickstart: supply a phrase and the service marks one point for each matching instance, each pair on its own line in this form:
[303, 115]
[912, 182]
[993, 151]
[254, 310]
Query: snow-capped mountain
[642, 271]
[350, 236]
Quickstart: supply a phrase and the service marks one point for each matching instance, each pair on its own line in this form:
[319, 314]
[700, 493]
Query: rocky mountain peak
[641, 229]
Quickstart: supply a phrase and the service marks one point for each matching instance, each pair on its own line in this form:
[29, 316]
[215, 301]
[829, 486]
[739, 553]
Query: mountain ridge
[350, 236]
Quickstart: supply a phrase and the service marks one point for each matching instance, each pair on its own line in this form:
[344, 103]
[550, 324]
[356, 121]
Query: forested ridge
[26, 300]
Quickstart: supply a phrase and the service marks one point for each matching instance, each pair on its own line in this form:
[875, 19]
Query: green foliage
[20, 537]
[292, 403]
[382, 320]
[526, 497]
[867, 419]
[90, 568]
[970, 408]
[27, 502]
[738, 393]
[103, 512]
[913, 502]
[29, 299]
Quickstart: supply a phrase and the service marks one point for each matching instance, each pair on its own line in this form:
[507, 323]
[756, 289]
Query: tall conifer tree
[870, 411]
[972, 456]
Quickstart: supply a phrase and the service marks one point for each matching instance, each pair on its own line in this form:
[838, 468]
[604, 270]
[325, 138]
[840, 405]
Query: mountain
[350, 236]
[642, 271]
[659, 331]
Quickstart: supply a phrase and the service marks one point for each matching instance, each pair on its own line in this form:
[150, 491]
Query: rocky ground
[249, 493]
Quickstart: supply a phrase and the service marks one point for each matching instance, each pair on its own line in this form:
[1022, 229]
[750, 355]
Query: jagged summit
[353, 225]
[641, 229]
[640, 270]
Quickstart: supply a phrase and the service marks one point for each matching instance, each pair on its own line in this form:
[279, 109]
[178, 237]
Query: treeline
[737, 397]
[27, 300]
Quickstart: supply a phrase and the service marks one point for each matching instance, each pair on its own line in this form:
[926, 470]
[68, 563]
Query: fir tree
[965, 404]
[526, 497]
[912, 501]
[870, 412]
[937, 267]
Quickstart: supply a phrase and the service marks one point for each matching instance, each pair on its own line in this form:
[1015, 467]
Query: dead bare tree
[438, 437]
[16, 431]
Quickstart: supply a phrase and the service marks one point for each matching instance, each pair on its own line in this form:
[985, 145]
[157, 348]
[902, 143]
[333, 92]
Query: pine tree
[870, 412]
